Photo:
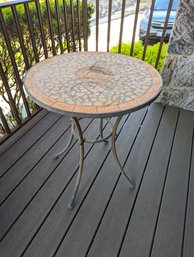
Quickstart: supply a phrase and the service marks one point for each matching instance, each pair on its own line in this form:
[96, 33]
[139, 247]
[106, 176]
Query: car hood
[160, 16]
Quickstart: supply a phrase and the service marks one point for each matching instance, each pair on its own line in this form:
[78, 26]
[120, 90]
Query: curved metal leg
[131, 184]
[101, 131]
[68, 144]
[79, 175]
[101, 128]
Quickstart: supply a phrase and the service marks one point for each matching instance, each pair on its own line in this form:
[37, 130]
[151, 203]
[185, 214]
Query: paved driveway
[115, 23]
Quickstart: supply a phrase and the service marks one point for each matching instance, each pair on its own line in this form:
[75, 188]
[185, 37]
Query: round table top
[92, 84]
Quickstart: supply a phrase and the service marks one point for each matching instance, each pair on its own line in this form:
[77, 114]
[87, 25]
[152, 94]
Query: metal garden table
[96, 85]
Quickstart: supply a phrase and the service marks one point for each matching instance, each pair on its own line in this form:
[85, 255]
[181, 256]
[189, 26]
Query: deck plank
[155, 219]
[102, 190]
[27, 162]
[59, 220]
[109, 236]
[143, 215]
[13, 154]
[35, 213]
[169, 232]
[17, 135]
[188, 246]
[28, 188]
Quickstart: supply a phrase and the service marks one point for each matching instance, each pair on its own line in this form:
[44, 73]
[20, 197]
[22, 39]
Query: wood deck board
[109, 219]
[32, 157]
[115, 225]
[22, 131]
[102, 190]
[173, 203]
[56, 219]
[144, 214]
[188, 246]
[31, 184]
[36, 211]
[13, 154]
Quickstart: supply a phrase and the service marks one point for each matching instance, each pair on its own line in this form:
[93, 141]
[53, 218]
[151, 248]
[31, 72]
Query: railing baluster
[163, 32]
[9, 95]
[30, 26]
[85, 24]
[4, 121]
[58, 25]
[11, 54]
[121, 26]
[72, 24]
[41, 28]
[135, 26]
[50, 26]
[109, 24]
[148, 29]
[66, 25]
[20, 37]
[79, 25]
[97, 23]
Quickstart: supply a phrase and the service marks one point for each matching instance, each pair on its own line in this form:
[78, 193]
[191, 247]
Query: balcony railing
[32, 30]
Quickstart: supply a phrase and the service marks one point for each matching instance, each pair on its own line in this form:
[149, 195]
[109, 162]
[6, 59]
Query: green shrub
[151, 53]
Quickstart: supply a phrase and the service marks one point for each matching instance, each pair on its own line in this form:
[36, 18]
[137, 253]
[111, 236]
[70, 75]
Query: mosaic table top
[92, 84]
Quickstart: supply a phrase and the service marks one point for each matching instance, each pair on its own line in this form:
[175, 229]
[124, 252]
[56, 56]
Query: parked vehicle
[158, 21]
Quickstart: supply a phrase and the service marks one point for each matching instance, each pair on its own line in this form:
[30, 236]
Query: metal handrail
[14, 3]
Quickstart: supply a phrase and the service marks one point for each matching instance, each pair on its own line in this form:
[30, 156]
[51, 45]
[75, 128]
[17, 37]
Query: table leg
[101, 131]
[68, 143]
[101, 128]
[79, 175]
[131, 184]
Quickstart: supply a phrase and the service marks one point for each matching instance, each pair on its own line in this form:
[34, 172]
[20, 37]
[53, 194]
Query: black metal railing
[32, 30]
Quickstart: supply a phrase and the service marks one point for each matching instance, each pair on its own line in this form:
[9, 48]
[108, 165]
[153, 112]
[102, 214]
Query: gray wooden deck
[156, 219]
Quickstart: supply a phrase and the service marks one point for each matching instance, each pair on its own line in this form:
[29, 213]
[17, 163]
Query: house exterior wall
[178, 69]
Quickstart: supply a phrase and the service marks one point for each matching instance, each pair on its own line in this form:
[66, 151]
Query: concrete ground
[115, 23]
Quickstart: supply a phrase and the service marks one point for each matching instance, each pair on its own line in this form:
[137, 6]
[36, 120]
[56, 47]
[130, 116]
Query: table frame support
[81, 163]
[114, 150]
[76, 132]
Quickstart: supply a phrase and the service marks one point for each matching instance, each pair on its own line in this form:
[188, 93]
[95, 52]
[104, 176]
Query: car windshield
[162, 5]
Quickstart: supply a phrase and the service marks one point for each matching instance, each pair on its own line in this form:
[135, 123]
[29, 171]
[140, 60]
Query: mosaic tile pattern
[90, 83]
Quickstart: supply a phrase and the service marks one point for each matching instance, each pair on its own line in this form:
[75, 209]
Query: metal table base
[76, 132]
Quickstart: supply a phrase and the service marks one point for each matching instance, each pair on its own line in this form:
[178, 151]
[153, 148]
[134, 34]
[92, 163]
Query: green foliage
[16, 48]
[151, 53]
[8, 17]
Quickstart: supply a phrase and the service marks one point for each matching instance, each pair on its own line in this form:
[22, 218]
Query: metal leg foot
[131, 184]
[67, 146]
[79, 175]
